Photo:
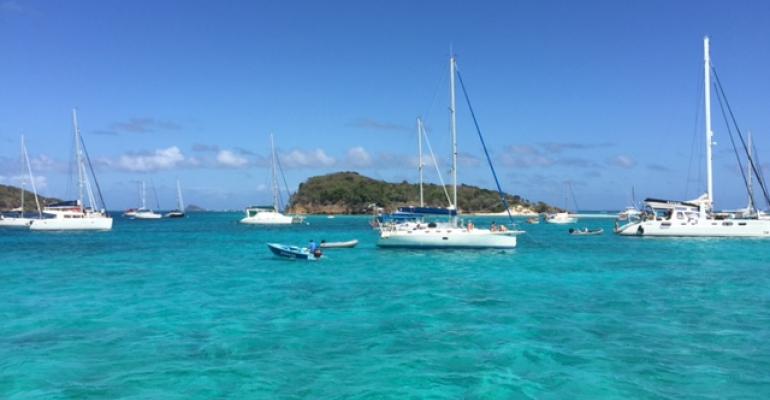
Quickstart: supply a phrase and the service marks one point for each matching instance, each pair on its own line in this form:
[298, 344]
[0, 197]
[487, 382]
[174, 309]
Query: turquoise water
[198, 308]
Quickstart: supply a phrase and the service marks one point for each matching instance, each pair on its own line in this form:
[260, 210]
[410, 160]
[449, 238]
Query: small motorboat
[339, 245]
[293, 252]
[533, 220]
[586, 232]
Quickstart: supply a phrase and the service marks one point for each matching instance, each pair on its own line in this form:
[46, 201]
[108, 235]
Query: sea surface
[199, 308]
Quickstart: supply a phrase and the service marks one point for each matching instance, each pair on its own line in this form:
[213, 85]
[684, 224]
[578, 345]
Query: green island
[10, 198]
[353, 193]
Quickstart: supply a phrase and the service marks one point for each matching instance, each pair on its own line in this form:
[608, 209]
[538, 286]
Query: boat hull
[339, 245]
[268, 218]
[73, 224]
[291, 252]
[447, 239]
[15, 222]
[698, 228]
[147, 215]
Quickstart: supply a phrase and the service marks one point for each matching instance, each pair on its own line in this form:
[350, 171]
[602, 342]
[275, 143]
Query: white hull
[454, 238]
[14, 222]
[268, 218]
[561, 221]
[705, 227]
[147, 215]
[72, 224]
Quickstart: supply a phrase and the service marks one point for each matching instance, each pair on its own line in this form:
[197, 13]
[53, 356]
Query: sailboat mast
[31, 178]
[453, 124]
[78, 158]
[420, 164]
[144, 196]
[179, 201]
[709, 133]
[22, 174]
[750, 186]
[275, 178]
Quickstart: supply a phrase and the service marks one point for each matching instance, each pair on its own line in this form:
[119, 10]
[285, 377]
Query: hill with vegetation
[10, 198]
[352, 193]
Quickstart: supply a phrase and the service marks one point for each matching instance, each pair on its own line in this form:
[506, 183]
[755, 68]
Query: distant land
[194, 208]
[353, 193]
[10, 198]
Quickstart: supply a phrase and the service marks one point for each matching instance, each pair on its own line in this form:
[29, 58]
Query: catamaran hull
[13, 222]
[73, 224]
[698, 228]
[269, 218]
[150, 215]
[454, 239]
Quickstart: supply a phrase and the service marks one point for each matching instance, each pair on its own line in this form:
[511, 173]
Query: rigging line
[694, 139]
[735, 149]
[484, 145]
[740, 136]
[31, 178]
[761, 177]
[283, 177]
[435, 164]
[439, 84]
[572, 193]
[91, 167]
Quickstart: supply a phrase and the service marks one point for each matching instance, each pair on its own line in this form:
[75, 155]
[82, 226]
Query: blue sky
[604, 94]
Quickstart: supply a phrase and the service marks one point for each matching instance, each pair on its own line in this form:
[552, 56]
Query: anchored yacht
[20, 220]
[271, 215]
[696, 217]
[449, 234]
[75, 215]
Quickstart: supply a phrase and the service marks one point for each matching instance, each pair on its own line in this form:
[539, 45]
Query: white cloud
[623, 161]
[359, 157]
[145, 162]
[302, 159]
[41, 182]
[228, 158]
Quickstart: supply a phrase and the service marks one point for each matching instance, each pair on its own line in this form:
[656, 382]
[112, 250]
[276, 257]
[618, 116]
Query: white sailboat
[143, 212]
[270, 215]
[179, 212]
[562, 218]
[75, 215]
[20, 221]
[449, 235]
[695, 217]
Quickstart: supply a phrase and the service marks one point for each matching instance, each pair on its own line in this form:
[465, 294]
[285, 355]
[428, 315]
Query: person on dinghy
[314, 249]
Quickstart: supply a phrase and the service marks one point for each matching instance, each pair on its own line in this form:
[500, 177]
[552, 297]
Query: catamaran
[271, 215]
[75, 215]
[564, 217]
[20, 221]
[450, 234]
[143, 212]
[697, 217]
[560, 218]
[179, 212]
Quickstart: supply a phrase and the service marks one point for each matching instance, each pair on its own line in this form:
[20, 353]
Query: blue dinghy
[293, 252]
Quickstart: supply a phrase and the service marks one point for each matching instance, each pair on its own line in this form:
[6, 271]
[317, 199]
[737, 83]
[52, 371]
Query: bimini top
[62, 204]
[263, 208]
[661, 203]
[428, 211]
